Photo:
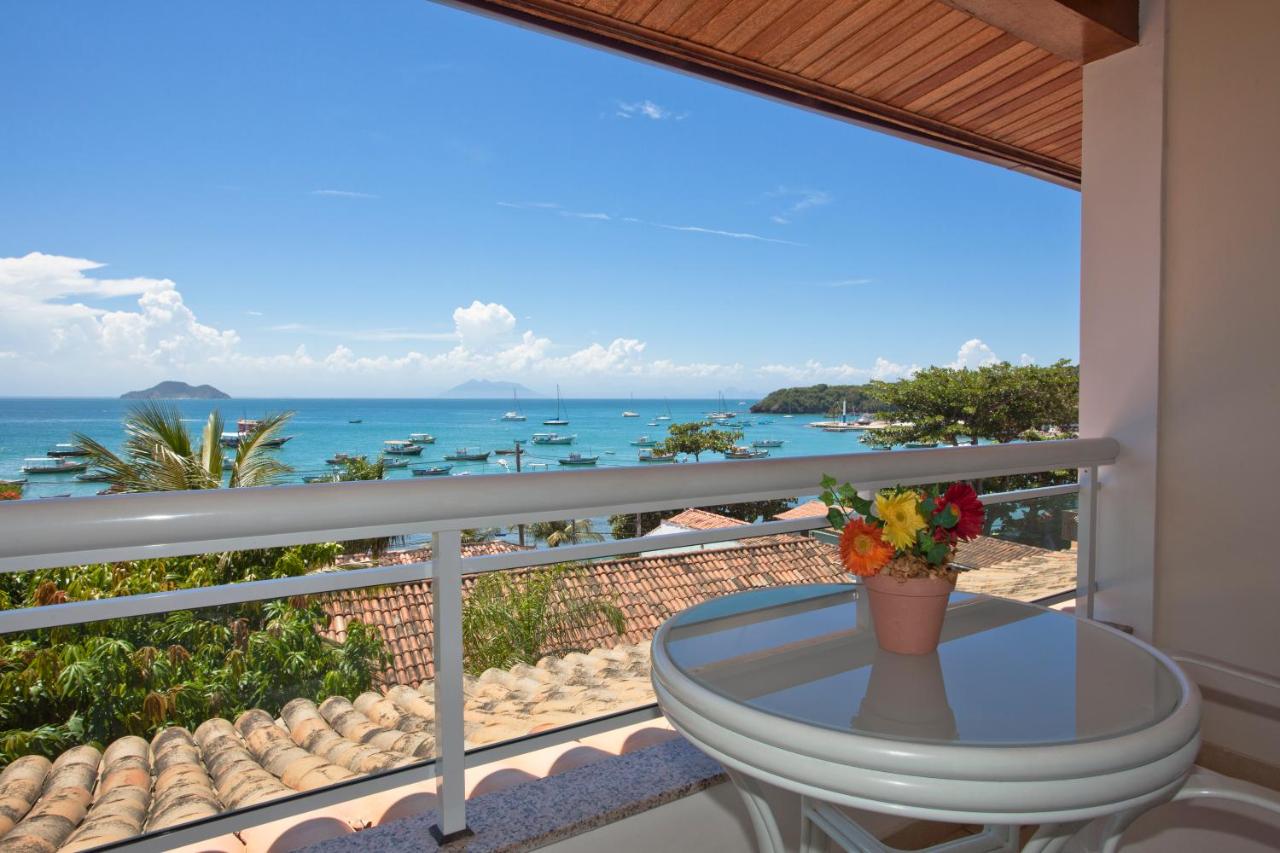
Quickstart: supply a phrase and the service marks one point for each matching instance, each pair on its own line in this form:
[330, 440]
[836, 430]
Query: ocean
[321, 427]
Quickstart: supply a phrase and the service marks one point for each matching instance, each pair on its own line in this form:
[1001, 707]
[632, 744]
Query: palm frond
[211, 448]
[253, 465]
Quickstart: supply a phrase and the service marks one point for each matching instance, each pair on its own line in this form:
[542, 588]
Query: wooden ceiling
[949, 71]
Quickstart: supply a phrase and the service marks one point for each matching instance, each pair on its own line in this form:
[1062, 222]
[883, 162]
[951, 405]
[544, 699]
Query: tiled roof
[808, 509]
[701, 519]
[646, 589]
[85, 798]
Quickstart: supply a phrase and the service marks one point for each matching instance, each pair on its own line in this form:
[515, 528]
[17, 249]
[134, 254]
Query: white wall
[1181, 330]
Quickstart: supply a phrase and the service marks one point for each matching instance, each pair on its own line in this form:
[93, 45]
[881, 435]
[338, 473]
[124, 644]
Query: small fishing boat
[653, 423]
[20, 481]
[398, 447]
[341, 459]
[244, 426]
[395, 463]
[644, 441]
[320, 478]
[52, 465]
[920, 445]
[656, 457]
[94, 477]
[505, 451]
[229, 439]
[788, 416]
[559, 419]
[551, 438]
[578, 459]
[59, 451]
[463, 454]
[515, 414]
[422, 438]
[739, 452]
[764, 421]
[842, 428]
[432, 470]
[767, 442]
[356, 421]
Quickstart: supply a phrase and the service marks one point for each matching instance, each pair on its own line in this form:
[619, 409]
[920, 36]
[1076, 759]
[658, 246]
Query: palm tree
[565, 532]
[160, 454]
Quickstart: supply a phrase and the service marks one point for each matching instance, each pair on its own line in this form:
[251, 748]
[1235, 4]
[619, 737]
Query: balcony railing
[48, 534]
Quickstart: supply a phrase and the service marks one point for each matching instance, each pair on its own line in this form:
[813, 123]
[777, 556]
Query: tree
[565, 532]
[160, 455]
[624, 526]
[831, 399]
[511, 618]
[99, 681]
[998, 402]
[697, 437]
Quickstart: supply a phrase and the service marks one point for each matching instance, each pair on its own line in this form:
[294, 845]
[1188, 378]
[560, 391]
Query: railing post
[1086, 539]
[446, 606]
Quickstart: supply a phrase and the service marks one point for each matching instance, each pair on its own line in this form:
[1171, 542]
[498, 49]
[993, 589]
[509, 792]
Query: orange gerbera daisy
[863, 549]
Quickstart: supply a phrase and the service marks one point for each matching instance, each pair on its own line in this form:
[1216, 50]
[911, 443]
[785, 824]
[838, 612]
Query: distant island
[173, 390]
[819, 399]
[488, 389]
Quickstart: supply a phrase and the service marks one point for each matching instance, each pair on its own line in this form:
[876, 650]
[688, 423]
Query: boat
[52, 465]
[559, 419]
[394, 463]
[653, 423]
[229, 439]
[59, 451]
[644, 441]
[920, 445]
[463, 454]
[551, 438]
[356, 421]
[432, 470]
[506, 451]
[422, 438]
[739, 452]
[667, 416]
[788, 416]
[94, 477]
[655, 457]
[20, 481]
[767, 442]
[578, 459]
[723, 414]
[515, 414]
[398, 447]
[341, 459]
[842, 428]
[628, 413]
[244, 426]
[842, 425]
[764, 421]
[320, 478]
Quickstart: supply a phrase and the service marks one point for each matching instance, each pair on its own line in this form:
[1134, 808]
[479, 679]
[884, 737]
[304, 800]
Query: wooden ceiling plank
[1023, 87]
[959, 42]
[695, 17]
[1028, 136]
[1059, 138]
[861, 40]
[906, 40]
[989, 59]
[1060, 149]
[1033, 111]
[755, 23]
[785, 26]
[1069, 154]
[832, 18]
[665, 15]
[989, 84]
[1077, 30]
[718, 28]
[604, 7]
[839, 35]
[634, 10]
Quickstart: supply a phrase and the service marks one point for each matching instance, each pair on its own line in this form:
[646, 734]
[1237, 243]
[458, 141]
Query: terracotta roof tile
[701, 519]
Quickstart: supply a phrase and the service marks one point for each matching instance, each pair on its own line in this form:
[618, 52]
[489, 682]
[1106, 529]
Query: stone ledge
[537, 813]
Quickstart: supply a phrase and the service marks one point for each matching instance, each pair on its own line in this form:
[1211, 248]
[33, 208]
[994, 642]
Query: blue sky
[340, 198]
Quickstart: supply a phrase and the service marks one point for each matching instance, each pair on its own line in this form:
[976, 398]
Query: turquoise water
[320, 428]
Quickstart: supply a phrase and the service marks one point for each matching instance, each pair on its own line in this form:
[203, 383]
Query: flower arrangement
[905, 533]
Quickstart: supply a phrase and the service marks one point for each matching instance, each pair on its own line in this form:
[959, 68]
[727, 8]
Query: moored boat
[320, 478]
[431, 470]
[767, 442]
[920, 445]
[644, 441]
[422, 438]
[52, 465]
[463, 454]
[559, 419]
[629, 413]
[356, 421]
[551, 438]
[341, 459]
[19, 481]
[60, 451]
[578, 459]
[94, 477]
[515, 414]
[655, 457]
[739, 452]
[394, 463]
[399, 447]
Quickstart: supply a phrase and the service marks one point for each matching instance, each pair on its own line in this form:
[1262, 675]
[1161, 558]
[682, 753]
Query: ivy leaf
[861, 506]
[827, 498]
[950, 518]
[836, 518]
[828, 482]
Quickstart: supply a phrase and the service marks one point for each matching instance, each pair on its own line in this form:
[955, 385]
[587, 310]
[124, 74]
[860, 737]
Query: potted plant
[901, 545]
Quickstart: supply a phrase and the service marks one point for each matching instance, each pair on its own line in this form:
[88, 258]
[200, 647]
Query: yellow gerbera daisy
[901, 517]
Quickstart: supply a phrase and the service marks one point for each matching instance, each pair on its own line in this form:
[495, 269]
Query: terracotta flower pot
[907, 614]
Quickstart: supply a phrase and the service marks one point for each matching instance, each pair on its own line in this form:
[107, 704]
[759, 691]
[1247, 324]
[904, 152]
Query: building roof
[646, 589]
[701, 519]
[808, 509]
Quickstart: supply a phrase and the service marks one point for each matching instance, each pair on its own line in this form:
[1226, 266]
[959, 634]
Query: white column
[1121, 275]
[446, 612]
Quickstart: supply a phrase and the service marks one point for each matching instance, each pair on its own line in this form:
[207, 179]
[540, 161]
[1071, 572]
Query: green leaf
[861, 506]
[828, 482]
[950, 518]
[836, 517]
[827, 498]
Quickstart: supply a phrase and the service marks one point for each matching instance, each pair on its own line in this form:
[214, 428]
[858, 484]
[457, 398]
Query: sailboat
[628, 413]
[514, 414]
[724, 414]
[559, 419]
[667, 416]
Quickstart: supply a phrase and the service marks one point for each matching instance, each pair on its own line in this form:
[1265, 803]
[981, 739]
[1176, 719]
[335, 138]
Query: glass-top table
[1023, 715]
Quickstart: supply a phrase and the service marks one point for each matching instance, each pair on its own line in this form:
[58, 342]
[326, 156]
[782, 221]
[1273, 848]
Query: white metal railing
[46, 534]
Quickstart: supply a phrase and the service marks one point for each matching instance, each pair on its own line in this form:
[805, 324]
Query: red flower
[962, 501]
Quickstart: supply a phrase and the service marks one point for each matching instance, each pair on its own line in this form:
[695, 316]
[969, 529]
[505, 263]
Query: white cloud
[602, 216]
[342, 194]
[7, 354]
[846, 282]
[973, 353]
[804, 200]
[736, 235]
[1026, 359]
[254, 313]
[482, 322]
[813, 371]
[647, 109]
[692, 229]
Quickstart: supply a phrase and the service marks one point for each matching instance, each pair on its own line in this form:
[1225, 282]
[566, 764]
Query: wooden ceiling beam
[1079, 30]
